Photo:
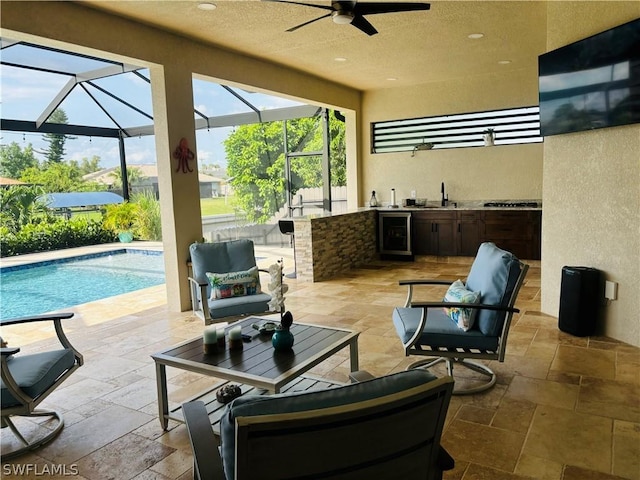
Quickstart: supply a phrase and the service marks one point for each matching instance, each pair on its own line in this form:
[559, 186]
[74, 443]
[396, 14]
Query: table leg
[353, 354]
[163, 399]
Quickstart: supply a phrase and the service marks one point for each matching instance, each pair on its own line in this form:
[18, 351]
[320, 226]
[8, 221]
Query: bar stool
[286, 228]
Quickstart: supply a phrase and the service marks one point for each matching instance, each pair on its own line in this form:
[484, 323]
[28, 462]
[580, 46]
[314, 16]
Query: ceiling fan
[352, 12]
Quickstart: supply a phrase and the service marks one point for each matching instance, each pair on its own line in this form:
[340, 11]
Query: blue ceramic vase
[282, 339]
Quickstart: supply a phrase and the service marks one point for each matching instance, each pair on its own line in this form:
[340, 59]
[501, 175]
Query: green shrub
[147, 224]
[40, 237]
[120, 217]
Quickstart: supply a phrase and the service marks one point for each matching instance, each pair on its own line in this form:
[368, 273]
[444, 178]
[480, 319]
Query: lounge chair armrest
[474, 306]
[36, 318]
[199, 299]
[425, 281]
[56, 318]
[207, 463]
[6, 351]
[198, 282]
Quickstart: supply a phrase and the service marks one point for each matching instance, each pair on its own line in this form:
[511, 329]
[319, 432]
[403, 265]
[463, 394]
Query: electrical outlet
[413, 194]
[611, 290]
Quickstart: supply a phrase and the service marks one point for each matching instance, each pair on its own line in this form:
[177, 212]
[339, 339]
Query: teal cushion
[494, 274]
[221, 257]
[35, 373]
[303, 401]
[440, 331]
[246, 305]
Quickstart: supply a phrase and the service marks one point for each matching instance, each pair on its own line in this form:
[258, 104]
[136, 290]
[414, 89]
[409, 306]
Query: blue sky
[24, 94]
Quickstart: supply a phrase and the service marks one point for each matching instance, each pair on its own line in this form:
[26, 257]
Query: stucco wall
[474, 173]
[592, 188]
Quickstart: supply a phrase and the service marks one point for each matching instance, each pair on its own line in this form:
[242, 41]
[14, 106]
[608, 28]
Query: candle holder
[210, 340]
[235, 338]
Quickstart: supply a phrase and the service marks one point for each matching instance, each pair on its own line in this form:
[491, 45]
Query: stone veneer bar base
[328, 246]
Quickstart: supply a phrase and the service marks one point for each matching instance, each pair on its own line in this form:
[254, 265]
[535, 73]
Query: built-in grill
[512, 204]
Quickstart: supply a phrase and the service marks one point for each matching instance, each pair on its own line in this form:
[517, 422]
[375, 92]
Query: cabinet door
[468, 234]
[434, 233]
[445, 232]
[514, 231]
[422, 233]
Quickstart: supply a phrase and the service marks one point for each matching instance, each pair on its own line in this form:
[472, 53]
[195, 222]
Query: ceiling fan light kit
[353, 12]
[342, 18]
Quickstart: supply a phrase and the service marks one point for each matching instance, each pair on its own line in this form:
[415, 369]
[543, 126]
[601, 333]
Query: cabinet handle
[458, 228]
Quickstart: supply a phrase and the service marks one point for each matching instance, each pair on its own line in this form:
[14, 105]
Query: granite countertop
[470, 205]
[430, 206]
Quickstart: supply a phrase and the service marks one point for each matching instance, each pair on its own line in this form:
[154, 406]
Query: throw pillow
[234, 284]
[458, 293]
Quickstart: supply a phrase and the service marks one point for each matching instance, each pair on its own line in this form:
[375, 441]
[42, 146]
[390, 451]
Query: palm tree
[134, 175]
[21, 205]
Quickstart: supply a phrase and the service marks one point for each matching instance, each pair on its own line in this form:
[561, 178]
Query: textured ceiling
[413, 47]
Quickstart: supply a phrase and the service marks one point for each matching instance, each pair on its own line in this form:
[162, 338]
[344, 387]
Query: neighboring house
[209, 186]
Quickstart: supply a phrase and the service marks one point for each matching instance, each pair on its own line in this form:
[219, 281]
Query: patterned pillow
[463, 317]
[234, 284]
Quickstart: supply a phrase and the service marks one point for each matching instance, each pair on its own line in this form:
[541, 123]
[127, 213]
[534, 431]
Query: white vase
[489, 139]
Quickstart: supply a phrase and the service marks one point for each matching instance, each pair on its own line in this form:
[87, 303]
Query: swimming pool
[53, 285]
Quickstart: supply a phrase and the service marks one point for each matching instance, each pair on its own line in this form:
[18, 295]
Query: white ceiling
[413, 47]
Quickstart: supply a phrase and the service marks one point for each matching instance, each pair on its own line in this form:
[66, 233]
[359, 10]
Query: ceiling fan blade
[362, 8]
[293, 29]
[363, 24]
[323, 7]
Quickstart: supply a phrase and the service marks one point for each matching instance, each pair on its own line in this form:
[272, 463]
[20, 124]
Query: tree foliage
[59, 177]
[134, 175]
[87, 165]
[14, 160]
[20, 205]
[256, 162]
[55, 153]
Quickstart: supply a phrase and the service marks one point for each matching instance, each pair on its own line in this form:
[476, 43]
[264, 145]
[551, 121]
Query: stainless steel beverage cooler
[394, 235]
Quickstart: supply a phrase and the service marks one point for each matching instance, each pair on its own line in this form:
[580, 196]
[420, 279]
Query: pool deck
[74, 252]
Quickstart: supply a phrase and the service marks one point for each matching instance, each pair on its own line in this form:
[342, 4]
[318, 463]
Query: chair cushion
[463, 317]
[234, 284]
[247, 305]
[439, 331]
[221, 257]
[35, 373]
[494, 274]
[303, 401]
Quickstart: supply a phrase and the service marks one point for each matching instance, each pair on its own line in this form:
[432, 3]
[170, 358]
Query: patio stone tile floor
[564, 408]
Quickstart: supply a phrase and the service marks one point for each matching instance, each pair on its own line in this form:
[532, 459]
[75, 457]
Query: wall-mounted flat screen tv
[592, 83]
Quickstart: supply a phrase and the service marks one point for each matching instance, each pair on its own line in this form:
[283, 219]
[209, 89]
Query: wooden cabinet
[434, 232]
[515, 231]
[460, 232]
[468, 230]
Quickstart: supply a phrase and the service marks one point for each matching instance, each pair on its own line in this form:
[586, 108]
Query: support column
[172, 96]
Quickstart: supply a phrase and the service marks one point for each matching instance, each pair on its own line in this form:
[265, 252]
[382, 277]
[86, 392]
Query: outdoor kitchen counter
[327, 245]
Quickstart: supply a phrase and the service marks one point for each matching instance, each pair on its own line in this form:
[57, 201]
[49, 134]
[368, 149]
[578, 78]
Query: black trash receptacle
[580, 299]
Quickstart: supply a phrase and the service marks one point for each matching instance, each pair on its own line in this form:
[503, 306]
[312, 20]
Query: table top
[258, 363]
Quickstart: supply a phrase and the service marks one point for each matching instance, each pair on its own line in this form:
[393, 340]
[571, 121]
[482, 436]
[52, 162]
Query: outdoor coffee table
[258, 368]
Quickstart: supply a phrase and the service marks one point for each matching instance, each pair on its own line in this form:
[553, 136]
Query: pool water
[48, 286]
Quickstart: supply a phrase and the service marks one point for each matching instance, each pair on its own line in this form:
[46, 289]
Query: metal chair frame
[27, 404]
[465, 357]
